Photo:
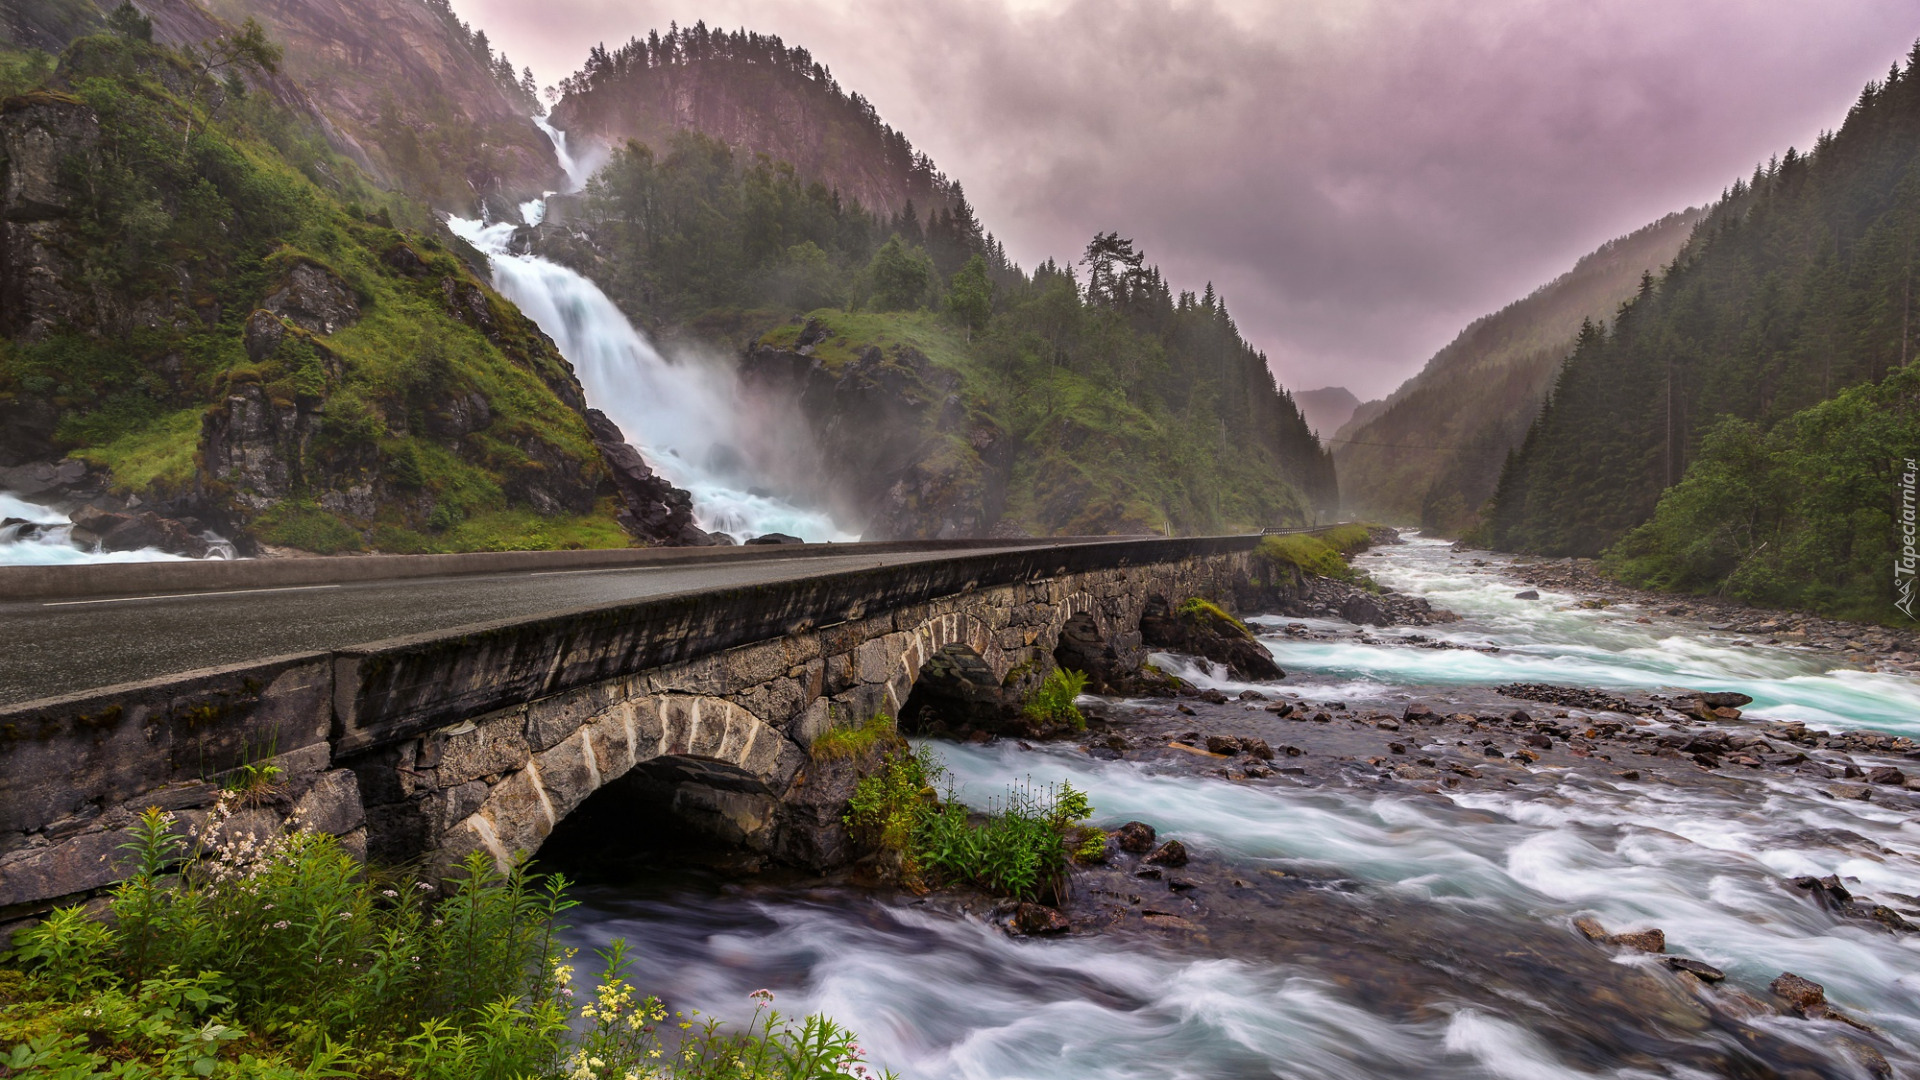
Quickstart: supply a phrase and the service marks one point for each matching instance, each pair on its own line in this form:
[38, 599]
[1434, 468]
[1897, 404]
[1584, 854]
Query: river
[1360, 928]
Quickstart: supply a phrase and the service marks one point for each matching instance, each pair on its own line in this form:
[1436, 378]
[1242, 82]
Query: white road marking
[603, 570]
[178, 596]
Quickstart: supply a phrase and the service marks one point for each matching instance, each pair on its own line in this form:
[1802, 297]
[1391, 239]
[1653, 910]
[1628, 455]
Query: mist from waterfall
[685, 415]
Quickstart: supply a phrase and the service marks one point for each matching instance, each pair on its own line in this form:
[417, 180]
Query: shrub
[244, 956]
[1020, 848]
[1052, 701]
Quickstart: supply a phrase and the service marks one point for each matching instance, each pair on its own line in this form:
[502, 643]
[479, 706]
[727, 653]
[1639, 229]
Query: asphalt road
[61, 647]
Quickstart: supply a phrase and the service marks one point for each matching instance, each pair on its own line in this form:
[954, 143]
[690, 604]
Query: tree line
[1798, 286]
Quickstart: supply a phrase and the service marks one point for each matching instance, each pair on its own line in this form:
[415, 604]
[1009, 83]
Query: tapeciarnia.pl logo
[1904, 559]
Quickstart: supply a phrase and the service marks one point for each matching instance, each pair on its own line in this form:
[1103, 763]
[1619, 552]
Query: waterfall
[683, 415]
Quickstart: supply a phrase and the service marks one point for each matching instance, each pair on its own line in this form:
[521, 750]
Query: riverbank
[1895, 648]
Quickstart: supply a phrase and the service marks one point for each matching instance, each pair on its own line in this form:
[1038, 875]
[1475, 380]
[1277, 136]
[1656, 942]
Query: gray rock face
[313, 299]
[895, 442]
[656, 511]
[39, 133]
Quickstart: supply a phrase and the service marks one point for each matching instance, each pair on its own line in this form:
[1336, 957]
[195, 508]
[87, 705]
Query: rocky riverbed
[1547, 839]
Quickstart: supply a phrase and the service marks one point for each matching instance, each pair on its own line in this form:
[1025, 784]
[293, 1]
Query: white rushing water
[43, 536]
[1553, 640]
[684, 414]
[939, 996]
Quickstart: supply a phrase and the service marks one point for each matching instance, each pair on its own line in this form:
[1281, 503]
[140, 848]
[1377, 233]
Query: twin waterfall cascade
[682, 414]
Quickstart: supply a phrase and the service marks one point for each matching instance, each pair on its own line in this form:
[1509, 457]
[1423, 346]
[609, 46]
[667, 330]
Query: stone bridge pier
[700, 709]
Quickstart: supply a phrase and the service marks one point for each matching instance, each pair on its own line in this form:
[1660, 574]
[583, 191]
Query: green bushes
[1020, 849]
[285, 957]
[1798, 516]
[1052, 704]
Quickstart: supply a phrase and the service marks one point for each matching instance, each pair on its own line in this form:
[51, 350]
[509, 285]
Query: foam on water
[934, 998]
[1552, 640]
[52, 545]
[1707, 868]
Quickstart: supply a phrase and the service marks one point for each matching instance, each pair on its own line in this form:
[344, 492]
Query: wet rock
[1860, 792]
[1202, 629]
[775, 538]
[1802, 995]
[1827, 891]
[1647, 941]
[1363, 610]
[1696, 968]
[1527, 594]
[1171, 853]
[1135, 836]
[1887, 774]
[1212, 697]
[1257, 748]
[655, 509]
[1419, 714]
[1726, 700]
[1642, 940]
[1223, 744]
[1537, 740]
[1035, 919]
[1252, 695]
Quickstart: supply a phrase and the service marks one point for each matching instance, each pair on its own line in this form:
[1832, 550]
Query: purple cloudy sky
[1360, 178]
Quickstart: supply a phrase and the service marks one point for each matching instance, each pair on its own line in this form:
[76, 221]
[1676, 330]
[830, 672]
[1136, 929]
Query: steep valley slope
[1431, 452]
[209, 321]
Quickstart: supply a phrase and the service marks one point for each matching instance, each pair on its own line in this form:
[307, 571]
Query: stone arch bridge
[487, 737]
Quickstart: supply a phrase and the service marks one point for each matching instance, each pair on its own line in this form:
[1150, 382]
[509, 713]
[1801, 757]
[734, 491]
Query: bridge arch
[670, 738]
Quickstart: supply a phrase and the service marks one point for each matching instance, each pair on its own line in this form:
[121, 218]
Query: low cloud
[1359, 179]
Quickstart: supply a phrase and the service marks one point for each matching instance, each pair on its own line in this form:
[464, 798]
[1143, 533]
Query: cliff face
[401, 88]
[194, 335]
[909, 458]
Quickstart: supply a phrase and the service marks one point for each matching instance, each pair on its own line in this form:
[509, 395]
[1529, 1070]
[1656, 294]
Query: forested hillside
[1798, 286]
[1432, 451]
[213, 318]
[1087, 397]
[759, 96]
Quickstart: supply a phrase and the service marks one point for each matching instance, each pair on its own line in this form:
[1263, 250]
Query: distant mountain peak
[1327, 409]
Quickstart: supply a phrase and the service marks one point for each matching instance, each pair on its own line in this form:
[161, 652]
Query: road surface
[65, 646]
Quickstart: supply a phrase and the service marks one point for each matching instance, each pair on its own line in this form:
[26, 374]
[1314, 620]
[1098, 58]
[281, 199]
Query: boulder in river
[1703, 971]
[1648, 941]
[1201, 628]
[1033, 919]
[1527, 594]
[1171, 853]
[1136, 837]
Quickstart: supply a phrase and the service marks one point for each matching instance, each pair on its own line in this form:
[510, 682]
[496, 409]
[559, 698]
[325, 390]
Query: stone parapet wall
[486, 737]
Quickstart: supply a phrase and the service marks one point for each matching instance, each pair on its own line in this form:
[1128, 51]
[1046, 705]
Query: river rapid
[1341, 925]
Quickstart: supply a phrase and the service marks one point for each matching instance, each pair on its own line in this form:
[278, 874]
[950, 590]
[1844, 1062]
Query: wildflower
[388, 893]
[281, 925]
[762, 996]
